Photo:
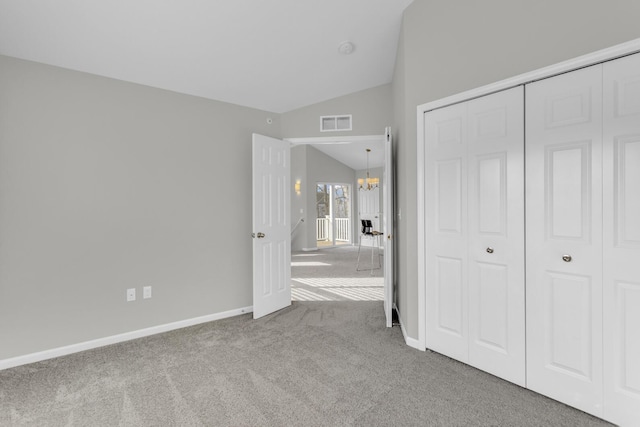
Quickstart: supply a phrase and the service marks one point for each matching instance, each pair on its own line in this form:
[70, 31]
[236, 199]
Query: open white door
[271, 225]
[387, 224]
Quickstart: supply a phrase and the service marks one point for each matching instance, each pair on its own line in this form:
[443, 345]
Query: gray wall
[447, 47]
[106, 185]
[371, 110]
[299, 201]
[322, 168]
[312, 166]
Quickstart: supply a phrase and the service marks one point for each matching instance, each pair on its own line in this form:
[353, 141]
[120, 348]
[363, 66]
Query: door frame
[593, 58]
[382, 140]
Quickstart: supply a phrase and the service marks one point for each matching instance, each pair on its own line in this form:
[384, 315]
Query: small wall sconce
[296, 187]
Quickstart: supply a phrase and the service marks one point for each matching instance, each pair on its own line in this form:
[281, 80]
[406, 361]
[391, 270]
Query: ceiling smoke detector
[346, 48]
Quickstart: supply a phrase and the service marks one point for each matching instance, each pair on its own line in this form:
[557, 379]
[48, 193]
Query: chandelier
[368, 183]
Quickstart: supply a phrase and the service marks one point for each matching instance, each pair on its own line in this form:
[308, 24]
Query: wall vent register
[335, 123]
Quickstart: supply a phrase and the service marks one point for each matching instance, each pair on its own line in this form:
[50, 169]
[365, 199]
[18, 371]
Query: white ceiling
[275, 55]
[351, 151]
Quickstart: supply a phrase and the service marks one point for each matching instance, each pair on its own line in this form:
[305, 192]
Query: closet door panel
[446, 208]
[496, 234]
[621, 269]
[564, 238]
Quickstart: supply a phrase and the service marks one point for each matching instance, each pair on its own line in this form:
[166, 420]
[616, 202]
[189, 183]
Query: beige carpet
[312, 364]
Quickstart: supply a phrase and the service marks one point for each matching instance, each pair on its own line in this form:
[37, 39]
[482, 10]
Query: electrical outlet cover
[146, 292]
[131, 294]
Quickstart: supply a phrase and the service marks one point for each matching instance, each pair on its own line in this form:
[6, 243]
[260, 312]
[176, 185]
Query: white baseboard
[309, 249]
[114, 339]
[411, 342]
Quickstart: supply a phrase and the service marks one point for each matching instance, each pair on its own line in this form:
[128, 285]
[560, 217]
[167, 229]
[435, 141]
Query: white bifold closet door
[475, 233]
[621, 267]
[564, 238]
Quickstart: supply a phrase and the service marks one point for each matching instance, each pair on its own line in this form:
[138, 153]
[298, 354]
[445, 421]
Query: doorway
[333, 214]
[307, 202]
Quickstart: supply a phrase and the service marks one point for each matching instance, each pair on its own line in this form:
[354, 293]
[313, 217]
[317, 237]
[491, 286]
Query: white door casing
[387, 224]
[445, 133]
[496, 234]
[564, 219]
[271, 225]
[621, 240]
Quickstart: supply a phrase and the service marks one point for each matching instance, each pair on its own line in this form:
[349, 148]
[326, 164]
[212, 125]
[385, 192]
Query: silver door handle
[490, 250]
[260, 235]
[566, 258]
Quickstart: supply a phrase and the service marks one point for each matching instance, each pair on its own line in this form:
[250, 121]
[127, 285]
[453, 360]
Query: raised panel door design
[627, 190]
[493, 306]
[267, 276]
[627, 95]
[449, 196]
[621, 246]
[564, 238]
[491, 123]
[492, 194]
[449, 132]
[568, 109]
[569, 324]
[449, 279]
[496, 234]
[446, 229]
[627, 377]
[568, 190]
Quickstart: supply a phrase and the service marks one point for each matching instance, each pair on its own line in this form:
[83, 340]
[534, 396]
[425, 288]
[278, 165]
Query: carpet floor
[330, 274]
[312, 364]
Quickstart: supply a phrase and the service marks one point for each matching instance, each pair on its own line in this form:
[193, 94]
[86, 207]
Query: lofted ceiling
[353, 152]
[274, 55]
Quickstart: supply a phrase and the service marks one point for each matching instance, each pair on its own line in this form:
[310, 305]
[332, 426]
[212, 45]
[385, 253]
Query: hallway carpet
[330, 274]
[312, 364]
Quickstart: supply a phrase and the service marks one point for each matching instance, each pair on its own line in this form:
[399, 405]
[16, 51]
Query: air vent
[335, 123]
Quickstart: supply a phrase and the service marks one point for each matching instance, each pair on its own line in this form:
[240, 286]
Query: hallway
[330, 275]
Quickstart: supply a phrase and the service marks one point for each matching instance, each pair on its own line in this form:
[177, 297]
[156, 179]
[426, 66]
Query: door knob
[260, 235]
[490, 250]
[566, 258]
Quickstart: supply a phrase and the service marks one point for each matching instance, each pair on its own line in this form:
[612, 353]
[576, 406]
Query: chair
[367, 231]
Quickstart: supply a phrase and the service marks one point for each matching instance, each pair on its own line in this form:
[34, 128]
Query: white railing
[322, 228]
[343, 229]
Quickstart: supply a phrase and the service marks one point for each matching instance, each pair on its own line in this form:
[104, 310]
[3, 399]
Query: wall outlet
[131, 294]
[146, 292]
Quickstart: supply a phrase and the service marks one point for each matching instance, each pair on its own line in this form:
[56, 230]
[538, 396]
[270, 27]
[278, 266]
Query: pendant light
[368, 183]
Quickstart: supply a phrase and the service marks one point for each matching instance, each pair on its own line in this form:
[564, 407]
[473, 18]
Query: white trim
[335, 139]
[421, 230]
[411, 342]
[593, 58]
[309, 249]
[114, 339]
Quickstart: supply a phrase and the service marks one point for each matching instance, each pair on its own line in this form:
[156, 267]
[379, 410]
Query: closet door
[446, 228]
[621, 269]
[564, 238]
[496, 234]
